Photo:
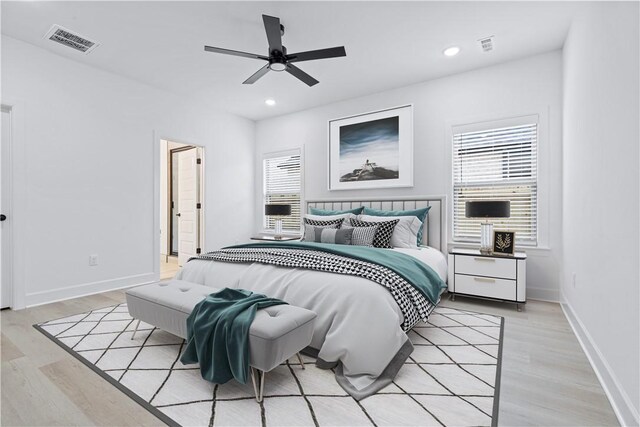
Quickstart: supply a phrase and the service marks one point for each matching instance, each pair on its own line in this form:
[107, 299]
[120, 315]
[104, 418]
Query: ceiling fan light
[277, 66]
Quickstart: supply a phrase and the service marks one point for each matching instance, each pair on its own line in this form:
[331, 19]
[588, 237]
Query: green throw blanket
[218, 334]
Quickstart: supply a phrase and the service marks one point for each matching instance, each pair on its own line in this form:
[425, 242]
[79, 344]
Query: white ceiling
[388, 44]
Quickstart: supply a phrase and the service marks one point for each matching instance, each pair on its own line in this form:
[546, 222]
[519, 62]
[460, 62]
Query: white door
[5, 286]
[187, 200]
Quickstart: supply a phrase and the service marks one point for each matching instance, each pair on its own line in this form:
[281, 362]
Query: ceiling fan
[278, 59]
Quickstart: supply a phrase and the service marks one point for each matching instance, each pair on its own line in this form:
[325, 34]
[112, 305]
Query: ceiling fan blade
[298, 73]
[332, 52]
[234, 52]
[274, 36]
[254, 78]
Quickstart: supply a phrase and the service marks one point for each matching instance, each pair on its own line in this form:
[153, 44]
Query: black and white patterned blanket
[413, 304]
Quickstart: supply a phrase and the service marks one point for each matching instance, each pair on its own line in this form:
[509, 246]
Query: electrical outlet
[93, 260]
[573, 279]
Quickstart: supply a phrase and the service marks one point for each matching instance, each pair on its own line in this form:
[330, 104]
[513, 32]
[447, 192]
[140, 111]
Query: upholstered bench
[276, 334]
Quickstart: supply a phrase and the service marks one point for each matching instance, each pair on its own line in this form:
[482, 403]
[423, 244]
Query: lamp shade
[275, 210]
[488, 209]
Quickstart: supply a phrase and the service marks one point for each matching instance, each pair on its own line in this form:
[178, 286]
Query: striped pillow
[337, 237]
[311, 231]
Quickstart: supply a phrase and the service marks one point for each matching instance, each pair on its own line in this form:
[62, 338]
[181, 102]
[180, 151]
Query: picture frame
[372, 150]
[504, 242]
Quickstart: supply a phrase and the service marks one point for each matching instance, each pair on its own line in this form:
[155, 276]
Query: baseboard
[76, 291]
[620, 401]
[540, 294]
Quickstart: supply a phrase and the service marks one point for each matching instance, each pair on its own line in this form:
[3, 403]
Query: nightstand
[272, 238]
[493, 276]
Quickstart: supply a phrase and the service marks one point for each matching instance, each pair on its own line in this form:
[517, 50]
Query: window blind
[282, 184]
[497, 163]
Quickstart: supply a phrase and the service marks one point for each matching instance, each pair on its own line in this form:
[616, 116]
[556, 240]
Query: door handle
[3, 217]
[178, 214]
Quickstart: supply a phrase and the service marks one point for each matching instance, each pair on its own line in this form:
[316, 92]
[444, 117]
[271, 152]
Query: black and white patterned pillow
[383, 234]
[320, 223]
[311, 231]
[362, 236]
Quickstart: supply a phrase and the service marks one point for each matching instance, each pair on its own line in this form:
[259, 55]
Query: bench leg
[136, 329]
[258, 391]
[300, 360]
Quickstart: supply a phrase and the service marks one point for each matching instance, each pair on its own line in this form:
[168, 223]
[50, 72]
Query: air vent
[486, 43]
[73, 40]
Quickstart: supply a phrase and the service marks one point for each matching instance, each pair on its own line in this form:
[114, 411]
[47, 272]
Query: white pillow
[405, 234]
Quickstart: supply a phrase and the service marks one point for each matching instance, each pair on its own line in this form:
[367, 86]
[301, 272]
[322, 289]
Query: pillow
[405, 234]
[421, 214]
[330, 217]
[383, 234]
[311, 230]
[323, 223]
[325, 212]
[333, 235]
[362, 236]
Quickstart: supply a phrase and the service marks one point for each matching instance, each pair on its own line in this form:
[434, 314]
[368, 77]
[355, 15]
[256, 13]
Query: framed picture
[372, 150]
[504, 242]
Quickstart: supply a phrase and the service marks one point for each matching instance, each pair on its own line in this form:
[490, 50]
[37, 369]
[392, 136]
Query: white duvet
[358, 323]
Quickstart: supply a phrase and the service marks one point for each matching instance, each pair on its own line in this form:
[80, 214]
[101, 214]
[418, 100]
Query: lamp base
[486, 238]
[278, 229]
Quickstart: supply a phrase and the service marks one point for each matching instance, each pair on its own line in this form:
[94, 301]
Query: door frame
[15, 154]
[158, 136]
[170, 199]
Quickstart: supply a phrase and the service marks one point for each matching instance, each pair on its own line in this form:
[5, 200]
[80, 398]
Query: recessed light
[451, 51]
[270, 102]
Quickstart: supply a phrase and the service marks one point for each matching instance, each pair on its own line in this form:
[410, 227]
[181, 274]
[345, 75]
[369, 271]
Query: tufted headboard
[435, 223]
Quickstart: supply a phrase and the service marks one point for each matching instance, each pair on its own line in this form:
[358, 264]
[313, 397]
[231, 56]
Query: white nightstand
[492, 276]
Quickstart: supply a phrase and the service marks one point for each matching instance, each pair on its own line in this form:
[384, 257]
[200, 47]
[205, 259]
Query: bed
[361, 328]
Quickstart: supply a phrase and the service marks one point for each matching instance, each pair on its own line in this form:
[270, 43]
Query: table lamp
[487, 209]
[277, 211]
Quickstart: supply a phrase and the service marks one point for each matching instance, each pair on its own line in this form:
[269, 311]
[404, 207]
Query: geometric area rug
[452, 378]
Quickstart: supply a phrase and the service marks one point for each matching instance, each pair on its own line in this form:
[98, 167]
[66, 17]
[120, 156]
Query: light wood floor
[546, 378]
[168, 267]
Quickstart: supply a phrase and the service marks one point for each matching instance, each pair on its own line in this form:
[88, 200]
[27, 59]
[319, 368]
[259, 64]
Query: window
[497, 161]
[282, 184]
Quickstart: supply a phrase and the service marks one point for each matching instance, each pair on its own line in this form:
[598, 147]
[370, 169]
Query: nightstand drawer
[504, 268]
[486, 287]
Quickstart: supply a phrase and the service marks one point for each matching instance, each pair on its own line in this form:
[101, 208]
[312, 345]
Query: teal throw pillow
[325, 212]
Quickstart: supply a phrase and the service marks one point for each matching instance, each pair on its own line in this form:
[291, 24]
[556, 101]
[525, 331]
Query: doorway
[6, 287]
[181, 206]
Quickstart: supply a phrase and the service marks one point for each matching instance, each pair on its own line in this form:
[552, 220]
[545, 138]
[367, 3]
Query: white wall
[86, 160]
[600, 206]
[528, 86]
